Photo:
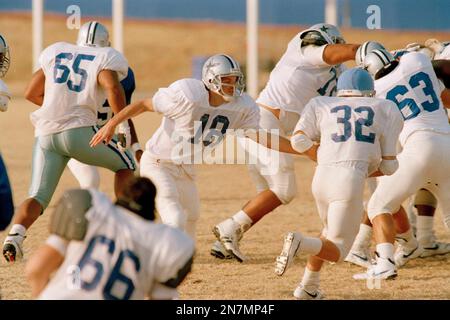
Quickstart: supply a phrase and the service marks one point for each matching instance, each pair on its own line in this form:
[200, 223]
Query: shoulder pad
[69, 218]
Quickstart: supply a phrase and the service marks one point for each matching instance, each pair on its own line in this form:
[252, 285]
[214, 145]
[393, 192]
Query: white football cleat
[383, 269]
[301, 294]
[434, 249]
[219, 251]
[404, 254]
[12, 247]
[360, 257]
[229, 233]
[290, 249]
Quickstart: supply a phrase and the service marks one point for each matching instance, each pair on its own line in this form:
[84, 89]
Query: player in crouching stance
[102, 250]
[358, 136]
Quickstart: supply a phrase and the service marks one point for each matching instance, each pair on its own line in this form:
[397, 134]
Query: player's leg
[360, 253]
[6, 200]
[308, 288]
[87, 176]
[425, 203]
[47, 168]
[189, 198]
[164, 175]
[75, 142]
[387, 199]
[275, 181]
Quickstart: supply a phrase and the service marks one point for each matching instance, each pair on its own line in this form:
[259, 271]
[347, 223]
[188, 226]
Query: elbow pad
[388, 167]
[301, 143]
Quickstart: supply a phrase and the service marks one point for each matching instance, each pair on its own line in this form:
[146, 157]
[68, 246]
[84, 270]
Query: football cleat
[434, 249]
[12, 247]
[219, 251]
[229, 233]
[290, 249]
[404, 254]
[301, 293]
[360, 257]
[384, 269]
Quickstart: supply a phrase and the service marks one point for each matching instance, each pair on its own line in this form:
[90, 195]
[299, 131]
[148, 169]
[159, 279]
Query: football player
[357, 135]
[111, 251]
[309, 68]
[73, 80]
[413, 84]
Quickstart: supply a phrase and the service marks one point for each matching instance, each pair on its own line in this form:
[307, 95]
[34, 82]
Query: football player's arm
[107, 131]
[270, 141]
[115, 94]
[334, 54]
[36, 88]
[42, 264]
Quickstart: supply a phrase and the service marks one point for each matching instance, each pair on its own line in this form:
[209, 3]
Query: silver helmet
[366, 48]
[5, 59]
[377, 60]
[219, 66]
[321, 34]
[93, 34]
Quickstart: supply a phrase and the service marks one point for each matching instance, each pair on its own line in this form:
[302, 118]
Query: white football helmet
[218, 66]
[93, 34]
[376, 61]
[5, 59]
[321, 34]
[366, 48]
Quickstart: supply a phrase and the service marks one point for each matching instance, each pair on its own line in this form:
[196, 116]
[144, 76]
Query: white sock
[425, 234]
[243, 219]
[407, 239]
[385, 250]
[18, 228]
[363, 238]
[310, 245]
[311, 280]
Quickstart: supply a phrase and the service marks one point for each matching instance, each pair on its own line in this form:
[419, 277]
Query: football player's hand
[105, 135]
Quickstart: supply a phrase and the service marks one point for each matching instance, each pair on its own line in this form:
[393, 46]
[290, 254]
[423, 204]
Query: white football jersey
[299, 76]
[352, 129]
[188, 117]
[121, 257]
[72, 93]
[415, 89]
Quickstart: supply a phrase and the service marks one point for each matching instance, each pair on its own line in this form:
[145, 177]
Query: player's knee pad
[285, 195]
[171, 213]
[425, 198]
[343, 245]
[377, 207]
[257, 178]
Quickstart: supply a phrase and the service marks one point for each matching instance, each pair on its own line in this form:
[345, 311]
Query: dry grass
[161, 52]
